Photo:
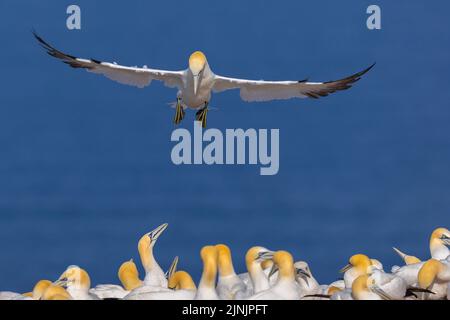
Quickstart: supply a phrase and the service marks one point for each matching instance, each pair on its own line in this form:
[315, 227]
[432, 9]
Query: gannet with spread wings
[196, 83]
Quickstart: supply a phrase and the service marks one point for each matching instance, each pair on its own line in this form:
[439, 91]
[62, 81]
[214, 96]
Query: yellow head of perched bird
[429, 272]
[181, 280]
[439, 242]
[361, 262]
[55, 292]
[224, 260]
[129, 275]
[284, 264]
[39, 289]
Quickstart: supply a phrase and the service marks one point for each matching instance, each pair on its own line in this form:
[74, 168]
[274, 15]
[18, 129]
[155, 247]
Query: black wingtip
[353, 78]
[368, 69]
[40, 40]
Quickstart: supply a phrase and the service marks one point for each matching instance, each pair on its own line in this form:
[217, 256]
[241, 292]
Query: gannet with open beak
[196, 83]
[434, 276]
[207, 287]
[77, 283]
[229, 285]
[154, 276]
[286, 287]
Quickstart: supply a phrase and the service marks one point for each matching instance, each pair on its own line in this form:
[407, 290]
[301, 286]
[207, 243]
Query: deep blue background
[85, 164]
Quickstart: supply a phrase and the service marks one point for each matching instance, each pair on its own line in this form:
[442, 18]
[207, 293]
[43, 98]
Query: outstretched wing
[254, 90]
[139, 77]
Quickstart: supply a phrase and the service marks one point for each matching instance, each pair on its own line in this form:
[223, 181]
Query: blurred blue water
[85, 164]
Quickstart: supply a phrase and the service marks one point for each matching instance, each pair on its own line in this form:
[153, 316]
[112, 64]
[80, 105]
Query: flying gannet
[196, 83]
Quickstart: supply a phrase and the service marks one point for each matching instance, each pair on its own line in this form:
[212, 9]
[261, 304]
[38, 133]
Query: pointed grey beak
[445, 239]
[154, 235]
[264, 255]
[273, 270]
[196, 83]
[61, 282]
[303, 274]
[172, 269]
[346, 268]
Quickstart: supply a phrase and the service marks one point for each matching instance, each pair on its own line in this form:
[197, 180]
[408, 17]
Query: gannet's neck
[258, 277]
[132, 283]
[438, 249]
[225, 263]
[40, 288]
[208, 279]
[181, 280]
[154, 275]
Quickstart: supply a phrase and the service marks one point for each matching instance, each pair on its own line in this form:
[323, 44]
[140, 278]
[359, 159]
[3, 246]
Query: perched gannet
[364, 288]
[128, 276]
[141, 291]
[196, 83]
[407, 259]
[207, 286]
[39, 289]
[308, 285]
[286, 288]
[358, 265]
[184, 286]
[256, 279]
[36, 294]
[229, 284]
[439, 240]
[181, 286]
[77, 282]
[389, 285]
[56, 292]
[154, 274]
[434, 276]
